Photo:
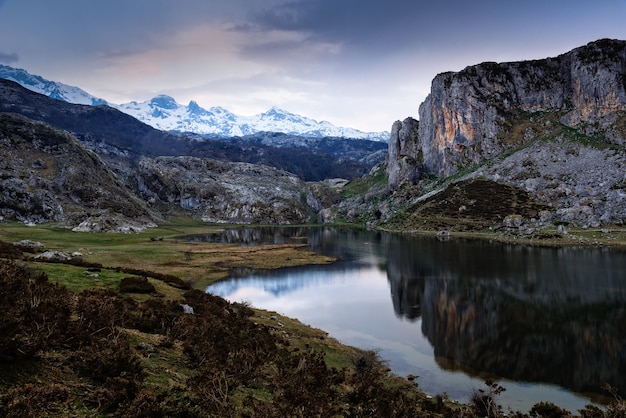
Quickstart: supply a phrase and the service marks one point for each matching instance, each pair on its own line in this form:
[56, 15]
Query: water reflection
[534, 314]
[520, 313]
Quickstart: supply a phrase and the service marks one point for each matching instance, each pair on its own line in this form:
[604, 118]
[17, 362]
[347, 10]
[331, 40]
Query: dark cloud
[8, 58]
[382, 27]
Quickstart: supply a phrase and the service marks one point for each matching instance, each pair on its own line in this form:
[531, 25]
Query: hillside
[47, 175]
[43, 172]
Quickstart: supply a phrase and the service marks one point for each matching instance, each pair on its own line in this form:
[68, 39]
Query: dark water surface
[549, 324]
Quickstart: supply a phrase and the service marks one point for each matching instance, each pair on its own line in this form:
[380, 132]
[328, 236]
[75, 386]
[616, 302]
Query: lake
[548, 323]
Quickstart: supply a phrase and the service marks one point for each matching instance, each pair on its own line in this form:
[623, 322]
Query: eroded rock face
[471, 115]
[404, 159]
[225, 192]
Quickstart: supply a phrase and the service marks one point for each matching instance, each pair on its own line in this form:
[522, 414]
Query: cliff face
[404, 152]
[479, 112]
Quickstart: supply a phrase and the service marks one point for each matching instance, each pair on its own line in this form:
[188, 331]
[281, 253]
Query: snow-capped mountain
[163, 112]
[52, 89]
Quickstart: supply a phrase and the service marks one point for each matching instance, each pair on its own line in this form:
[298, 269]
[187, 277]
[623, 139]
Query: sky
[355, 63]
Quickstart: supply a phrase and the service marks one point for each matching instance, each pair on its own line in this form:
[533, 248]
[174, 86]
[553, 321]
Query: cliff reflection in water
[545, 315]
[522, 313]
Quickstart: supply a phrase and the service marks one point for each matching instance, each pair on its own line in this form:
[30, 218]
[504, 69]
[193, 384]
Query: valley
[529, 153]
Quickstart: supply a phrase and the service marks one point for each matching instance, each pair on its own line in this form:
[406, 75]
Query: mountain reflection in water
[522, 314]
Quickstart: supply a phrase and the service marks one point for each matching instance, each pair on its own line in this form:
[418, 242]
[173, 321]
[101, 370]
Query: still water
[549, 324]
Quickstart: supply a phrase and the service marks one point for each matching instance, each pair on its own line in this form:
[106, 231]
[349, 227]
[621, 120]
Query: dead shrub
[484, 403]
[29, 400]
[10, 251]
[34, 313]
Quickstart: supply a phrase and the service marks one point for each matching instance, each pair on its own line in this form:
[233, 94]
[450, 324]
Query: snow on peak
[163, 112]
[164, 102]
[52, 89]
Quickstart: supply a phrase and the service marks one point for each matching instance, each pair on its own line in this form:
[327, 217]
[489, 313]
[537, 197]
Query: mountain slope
[112, 133]
[44, 172]
[553, 129]
[49, 88]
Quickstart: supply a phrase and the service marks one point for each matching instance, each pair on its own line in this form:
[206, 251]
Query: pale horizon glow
[360, 64]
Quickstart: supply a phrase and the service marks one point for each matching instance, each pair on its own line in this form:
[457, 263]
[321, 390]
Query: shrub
[34, 313]
[548, 410]
[136, 284]
[484, 403]
[29, 400]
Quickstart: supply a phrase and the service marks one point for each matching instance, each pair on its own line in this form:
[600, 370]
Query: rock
[187, 309]
[54, 256]
[404, 161]
[513, 221]
[144, 346]
[29, 244]
[107, 222]
[443, 235]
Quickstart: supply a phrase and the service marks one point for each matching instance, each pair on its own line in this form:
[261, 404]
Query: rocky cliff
[554, 128]
[479, 112]
[404, 158]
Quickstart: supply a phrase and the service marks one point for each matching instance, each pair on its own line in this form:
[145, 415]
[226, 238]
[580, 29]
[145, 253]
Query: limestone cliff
[404, 152]
[484, 110]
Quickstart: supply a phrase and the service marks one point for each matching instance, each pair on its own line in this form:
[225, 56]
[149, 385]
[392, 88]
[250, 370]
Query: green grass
[365, 184]
[75, 279]
[155, 250]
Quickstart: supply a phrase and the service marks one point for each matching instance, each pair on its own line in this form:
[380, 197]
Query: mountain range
[164, 113]
[519, 147]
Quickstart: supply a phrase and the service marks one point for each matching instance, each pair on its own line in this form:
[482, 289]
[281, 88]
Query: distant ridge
[52, 89]
[164, 113]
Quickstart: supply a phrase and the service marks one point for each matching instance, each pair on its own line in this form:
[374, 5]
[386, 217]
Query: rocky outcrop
[225, 192]
[48, 175]
[583, 185]
[477, 113]
[555, 128]
[404, 158]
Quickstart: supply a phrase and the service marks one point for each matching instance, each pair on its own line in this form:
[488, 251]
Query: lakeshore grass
[162, 249]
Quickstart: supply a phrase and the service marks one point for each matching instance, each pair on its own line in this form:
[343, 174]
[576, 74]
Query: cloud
[8, 58]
